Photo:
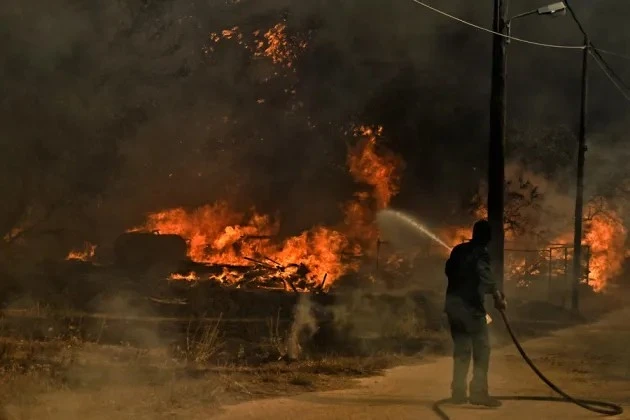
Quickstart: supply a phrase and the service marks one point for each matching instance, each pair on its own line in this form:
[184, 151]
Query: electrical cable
[600, 407]
[601, 61]
[610, 73]
[617, 84]
[613, 53]
[481, 28]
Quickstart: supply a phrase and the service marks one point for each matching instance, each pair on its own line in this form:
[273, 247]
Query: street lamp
[555, 9]
[496, 156]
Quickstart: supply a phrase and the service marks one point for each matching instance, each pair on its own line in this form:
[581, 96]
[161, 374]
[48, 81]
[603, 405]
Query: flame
[379, 169]
[85, 254]
[218, 235]
[604, 235]
[192, 276]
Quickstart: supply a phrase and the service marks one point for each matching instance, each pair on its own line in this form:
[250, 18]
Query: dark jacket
[469, 279]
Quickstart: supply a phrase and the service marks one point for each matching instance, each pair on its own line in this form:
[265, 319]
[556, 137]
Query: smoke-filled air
[266, 192]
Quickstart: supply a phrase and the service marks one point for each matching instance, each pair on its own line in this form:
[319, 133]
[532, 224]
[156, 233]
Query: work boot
[485, 400]
[458, 398]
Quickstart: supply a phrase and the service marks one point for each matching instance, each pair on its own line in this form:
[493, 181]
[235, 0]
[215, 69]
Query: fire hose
[600, 407]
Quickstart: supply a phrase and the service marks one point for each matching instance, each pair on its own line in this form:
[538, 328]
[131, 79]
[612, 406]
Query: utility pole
[496, 158]
[579, 195]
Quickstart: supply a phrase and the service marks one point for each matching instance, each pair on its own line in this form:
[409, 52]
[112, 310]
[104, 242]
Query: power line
[481, 28]
[601, 61]
[622, 89]
[599, 50]
[610, 73]
[613, 53]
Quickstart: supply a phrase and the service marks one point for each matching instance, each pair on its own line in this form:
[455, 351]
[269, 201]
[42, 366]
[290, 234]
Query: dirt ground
[589, 361]
[74, 381]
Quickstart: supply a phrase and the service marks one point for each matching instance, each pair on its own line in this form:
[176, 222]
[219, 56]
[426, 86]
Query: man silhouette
[469, 280]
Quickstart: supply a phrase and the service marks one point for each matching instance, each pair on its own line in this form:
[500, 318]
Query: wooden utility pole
[579, 194]
[496, 158]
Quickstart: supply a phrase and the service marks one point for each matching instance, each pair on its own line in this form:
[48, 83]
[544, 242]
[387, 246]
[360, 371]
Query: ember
[274, 43]
[85, 254]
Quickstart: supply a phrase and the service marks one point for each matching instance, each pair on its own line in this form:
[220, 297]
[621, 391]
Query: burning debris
[244, 250]
[85, 254]
[604, 241]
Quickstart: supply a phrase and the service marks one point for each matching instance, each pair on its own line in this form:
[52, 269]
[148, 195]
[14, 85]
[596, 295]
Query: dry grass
[69, 379]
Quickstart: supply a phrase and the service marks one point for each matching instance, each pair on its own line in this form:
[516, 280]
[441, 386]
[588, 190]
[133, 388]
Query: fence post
[549, 272]
[566, 272]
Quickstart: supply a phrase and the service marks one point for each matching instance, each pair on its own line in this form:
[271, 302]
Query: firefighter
[469, 280]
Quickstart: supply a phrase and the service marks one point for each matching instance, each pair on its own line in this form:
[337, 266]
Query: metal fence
[543, 273]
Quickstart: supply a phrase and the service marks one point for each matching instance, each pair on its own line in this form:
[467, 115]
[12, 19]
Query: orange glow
[381, 169]
[605, 236]
[274, 43]
[189, 277]
[216, 234]
[85, 254]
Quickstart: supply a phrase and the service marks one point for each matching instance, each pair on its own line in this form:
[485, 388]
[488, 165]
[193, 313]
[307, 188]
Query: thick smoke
[114, 109]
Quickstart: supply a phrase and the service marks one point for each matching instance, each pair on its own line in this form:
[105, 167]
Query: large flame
[605, 235]
[216, 234]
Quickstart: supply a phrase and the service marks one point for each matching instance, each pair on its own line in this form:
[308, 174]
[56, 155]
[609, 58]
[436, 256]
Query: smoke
[123, 105]
[303, 327]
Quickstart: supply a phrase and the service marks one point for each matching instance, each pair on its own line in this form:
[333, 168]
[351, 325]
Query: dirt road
[590, 361]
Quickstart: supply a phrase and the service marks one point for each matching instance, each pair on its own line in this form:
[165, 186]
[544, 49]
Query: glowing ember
[277, 46]
[85, 254]
[273, 43]
[189, 277]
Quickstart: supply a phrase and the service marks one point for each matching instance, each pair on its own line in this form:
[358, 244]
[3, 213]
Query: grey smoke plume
[303, 327]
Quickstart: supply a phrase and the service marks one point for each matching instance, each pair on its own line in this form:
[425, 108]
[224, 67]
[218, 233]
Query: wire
[601, 61]
[618, 84]
[481, 28]
[610, 73]
[613, 53]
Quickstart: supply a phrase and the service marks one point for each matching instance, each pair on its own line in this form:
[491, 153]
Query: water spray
[396, 221]
[390, 219]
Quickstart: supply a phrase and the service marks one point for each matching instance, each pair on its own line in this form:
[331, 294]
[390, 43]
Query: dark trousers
[470, 339]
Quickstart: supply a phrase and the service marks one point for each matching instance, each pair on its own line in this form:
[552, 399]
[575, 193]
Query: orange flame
[380, 169]
[218, 235]
[85, 254]
[192, 276]
[604, 235]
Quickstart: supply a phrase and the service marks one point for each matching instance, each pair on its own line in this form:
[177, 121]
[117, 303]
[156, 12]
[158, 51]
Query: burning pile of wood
[262, 273]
